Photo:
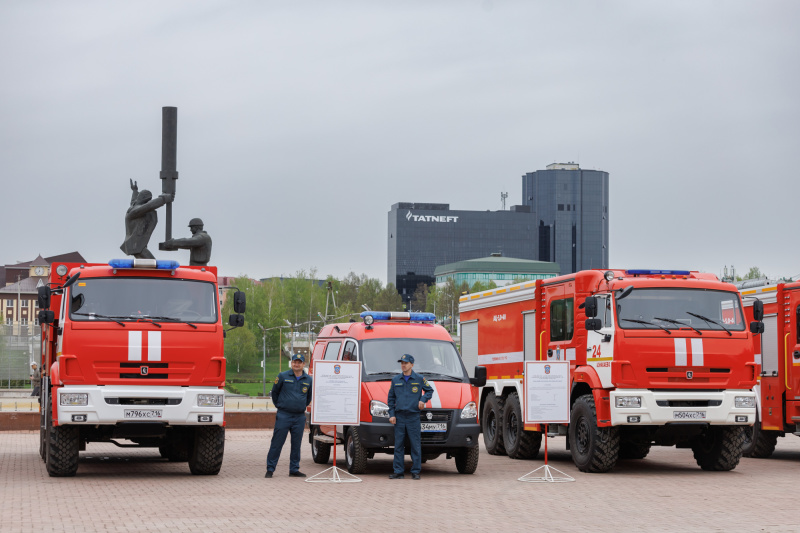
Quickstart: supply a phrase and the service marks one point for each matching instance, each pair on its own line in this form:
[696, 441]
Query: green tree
[753, 273]
[388, 299]
[419, 300]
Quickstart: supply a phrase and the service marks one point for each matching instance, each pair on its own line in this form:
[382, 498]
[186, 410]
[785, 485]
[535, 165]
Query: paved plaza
[120, 489]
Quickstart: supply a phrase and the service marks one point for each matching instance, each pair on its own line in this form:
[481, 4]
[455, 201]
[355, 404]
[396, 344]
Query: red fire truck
[778, 391]
[133, 350]
[449, 421]
[657, 357]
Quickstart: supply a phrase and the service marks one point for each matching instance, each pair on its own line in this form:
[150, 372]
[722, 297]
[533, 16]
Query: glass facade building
[570, 205]
[424, 236]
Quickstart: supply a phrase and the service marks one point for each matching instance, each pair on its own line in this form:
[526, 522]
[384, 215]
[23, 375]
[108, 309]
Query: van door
[600, 343]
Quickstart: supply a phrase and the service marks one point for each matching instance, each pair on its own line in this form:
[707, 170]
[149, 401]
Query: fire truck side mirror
[46, 316]
[236, 321]
[239, 302]
[758, 310]
[593, 324]
[590, 305]
[480, 376]
[44, 297]
[756, 327]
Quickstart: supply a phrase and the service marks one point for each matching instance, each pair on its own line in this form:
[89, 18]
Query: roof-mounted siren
[393, 316]
[650, 272]
[152, 264]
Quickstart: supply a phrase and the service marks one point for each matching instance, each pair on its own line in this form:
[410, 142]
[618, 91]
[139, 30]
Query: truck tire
[719, 448]
[492, 425]
[355, 456]
[63, 450]
[594, 449]
[758, 442]
[633, 450]
[519, 444]
[467, 460]
[320, 452]
[207, 452]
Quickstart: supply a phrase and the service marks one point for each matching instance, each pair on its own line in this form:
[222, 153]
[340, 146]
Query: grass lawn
[274, 367]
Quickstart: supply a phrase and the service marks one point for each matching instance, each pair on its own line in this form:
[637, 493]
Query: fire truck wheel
[594, 449]
[492, 422]
[759, 443]
[633, 450]
[519, 444]
[467, 460]
[63, 450]
[320, 452]
[355, 456]
[719, 448]
[209, 446]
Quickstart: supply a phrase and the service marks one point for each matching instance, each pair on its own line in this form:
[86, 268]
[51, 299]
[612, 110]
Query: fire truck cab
[656, 358]
[449, 420]
[133, 350]
[778, 347]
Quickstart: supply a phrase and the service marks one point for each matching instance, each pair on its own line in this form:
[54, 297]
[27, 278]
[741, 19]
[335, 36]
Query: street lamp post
[263, 360]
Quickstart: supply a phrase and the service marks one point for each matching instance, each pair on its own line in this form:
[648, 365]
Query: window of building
[24, 303]
[562, 321]
[23, 321]
[9, 303]
[560, 207]
[9, 322]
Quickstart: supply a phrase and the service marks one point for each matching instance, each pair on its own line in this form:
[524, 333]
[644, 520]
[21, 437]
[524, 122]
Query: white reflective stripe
[680, 352]
[495, 358]
[436, 402]
[697, 352]
[154, 346]
[134, 346]
[758, 361]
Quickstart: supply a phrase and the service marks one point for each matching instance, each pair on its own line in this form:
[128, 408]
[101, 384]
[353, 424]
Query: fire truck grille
[137, 370]
[436, 416]
[689, 403]
[143, 401]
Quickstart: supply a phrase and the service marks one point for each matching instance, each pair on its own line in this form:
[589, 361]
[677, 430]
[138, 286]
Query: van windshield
[655, 308]
[160, 300]
[435, 359]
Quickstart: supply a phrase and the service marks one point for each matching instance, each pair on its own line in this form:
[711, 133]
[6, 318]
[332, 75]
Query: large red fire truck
[656, 357]
[133, 350]
[778, 391]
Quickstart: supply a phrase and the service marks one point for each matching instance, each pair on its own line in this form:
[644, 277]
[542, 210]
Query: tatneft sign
[430, 218]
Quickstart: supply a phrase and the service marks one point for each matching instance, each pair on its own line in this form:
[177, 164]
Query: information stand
[546, 401]
[336, 400]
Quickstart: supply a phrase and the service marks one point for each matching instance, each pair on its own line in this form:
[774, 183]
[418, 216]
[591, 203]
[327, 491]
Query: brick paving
[122, 490]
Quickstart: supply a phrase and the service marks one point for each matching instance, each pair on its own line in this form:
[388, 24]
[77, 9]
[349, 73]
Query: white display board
[546, 389]
[336, 394]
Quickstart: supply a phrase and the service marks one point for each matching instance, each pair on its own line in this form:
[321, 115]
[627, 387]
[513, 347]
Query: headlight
[744, 401]
[74, 398]
[378, 409]
[628, 401]
[209, 400]
[470, 411]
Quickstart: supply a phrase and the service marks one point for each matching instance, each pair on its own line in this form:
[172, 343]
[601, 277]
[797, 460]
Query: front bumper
[660, 408]
[113, 404]
[461, 433]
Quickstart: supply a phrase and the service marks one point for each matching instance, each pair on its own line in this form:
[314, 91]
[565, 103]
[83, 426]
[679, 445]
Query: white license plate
[689, 415]
[434, 427]
[143, 413]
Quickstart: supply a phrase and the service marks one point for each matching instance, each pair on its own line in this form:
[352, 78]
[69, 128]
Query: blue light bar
[161, 264]
[398, 316]
[658, 272]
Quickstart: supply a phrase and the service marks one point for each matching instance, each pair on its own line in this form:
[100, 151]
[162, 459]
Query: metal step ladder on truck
[778, 389]
[656, 358]
[449, 421]
[133, 350]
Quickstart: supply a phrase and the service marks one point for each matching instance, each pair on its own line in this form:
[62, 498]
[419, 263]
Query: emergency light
[398, 316]
[658, 272]
[161, 264]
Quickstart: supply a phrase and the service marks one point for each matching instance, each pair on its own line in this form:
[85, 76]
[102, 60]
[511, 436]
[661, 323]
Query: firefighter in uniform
[291, 394]
[408, 394]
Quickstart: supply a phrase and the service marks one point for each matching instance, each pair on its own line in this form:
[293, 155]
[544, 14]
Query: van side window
[332, 351]
[562, 320]
[350, 352]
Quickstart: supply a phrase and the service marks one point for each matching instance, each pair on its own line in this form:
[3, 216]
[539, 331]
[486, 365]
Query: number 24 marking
[596, 351]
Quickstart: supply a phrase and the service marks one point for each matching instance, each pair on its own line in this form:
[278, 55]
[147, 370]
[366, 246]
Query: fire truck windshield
[698, 309]
[435, 360]
[131, 299]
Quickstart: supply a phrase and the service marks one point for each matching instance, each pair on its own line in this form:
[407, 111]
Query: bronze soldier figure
[141, 220]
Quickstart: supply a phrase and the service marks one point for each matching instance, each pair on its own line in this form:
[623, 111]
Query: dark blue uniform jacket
[405, 397]
[291, 394]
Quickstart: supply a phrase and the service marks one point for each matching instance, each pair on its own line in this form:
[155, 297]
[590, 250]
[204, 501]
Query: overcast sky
[300, 123]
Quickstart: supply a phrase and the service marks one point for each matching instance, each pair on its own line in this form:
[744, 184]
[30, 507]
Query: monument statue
[199, 244]
[141, 220]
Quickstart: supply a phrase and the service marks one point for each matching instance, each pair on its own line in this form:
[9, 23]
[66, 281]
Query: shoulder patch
[277, 379]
